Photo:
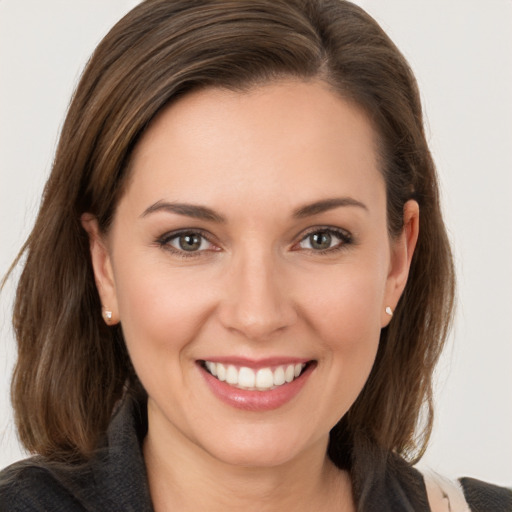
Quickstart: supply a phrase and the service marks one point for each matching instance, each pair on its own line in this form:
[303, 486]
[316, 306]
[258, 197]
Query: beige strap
[444, 495]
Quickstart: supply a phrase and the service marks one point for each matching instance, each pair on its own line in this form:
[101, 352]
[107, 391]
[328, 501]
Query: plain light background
[461, 52]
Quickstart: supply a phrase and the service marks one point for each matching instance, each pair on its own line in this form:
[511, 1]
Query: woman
[239, 281]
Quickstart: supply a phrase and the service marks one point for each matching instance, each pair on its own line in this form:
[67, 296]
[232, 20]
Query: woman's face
[250, 267]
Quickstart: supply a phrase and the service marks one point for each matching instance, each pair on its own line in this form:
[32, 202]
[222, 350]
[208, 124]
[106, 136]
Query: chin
[258, 450]
[254, 458]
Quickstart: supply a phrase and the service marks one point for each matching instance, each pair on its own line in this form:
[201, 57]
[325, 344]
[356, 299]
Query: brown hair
[71, 368]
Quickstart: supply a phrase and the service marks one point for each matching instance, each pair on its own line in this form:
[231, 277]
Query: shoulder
[31, 485]
[444, 495]
[466, 495]
[112, 479]
[485, 496]
[428, 491]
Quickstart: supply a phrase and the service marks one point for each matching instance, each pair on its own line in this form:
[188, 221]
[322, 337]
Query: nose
[256, 300]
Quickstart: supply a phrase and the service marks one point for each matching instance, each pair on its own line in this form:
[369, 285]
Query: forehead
[293, 139]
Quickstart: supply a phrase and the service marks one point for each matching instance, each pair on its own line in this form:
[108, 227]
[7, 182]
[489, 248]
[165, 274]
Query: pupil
[321, 240]
[190, 242]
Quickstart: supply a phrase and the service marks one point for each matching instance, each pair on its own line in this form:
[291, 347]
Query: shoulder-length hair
[72, 369]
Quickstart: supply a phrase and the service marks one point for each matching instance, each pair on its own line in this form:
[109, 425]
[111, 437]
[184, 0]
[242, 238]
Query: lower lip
[256, 400]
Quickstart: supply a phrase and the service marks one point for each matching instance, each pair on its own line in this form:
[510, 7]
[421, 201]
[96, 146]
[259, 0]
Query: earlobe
[102, 267]
[402, 251]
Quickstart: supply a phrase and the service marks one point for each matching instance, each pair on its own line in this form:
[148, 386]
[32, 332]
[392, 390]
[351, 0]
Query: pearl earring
[108, 315]
[389, 311]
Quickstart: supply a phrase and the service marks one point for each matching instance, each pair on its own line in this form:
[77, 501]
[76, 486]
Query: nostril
[257, 321]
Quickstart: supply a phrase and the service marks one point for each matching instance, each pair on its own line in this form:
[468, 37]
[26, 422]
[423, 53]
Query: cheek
[345, 313]
[161, 312]
[346, 304]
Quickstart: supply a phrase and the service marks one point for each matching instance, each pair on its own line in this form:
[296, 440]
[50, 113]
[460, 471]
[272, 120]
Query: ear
[402, 250]
[102, 267]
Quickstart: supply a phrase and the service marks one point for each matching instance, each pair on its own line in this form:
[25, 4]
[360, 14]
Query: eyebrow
[205, 213]
[189, 210]
[326, 205]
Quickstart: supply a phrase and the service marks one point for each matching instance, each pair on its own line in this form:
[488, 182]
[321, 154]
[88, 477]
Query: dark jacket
[114, 480]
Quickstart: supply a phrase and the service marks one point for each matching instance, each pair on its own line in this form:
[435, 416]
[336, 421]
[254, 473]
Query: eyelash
[165, 240]
[344, 236]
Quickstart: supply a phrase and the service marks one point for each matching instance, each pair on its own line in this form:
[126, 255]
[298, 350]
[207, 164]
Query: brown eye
[190, 242]
[320, 241]
[327, 239]
[187, 242]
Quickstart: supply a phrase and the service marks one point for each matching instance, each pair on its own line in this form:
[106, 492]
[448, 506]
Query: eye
[324, 240]
[186, 242]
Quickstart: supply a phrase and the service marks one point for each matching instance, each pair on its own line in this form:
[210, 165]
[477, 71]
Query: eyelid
[344, 235]
[163, 241]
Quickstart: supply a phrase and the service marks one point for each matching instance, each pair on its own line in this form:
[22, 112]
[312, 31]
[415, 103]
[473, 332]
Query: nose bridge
[256, 300]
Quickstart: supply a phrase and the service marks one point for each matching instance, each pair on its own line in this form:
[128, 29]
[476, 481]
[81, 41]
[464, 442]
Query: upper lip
[257, 363]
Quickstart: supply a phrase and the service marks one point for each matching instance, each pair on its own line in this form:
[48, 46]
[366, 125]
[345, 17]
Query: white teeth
[212, 368]
[279, 379]
[221, 372]
[232, 375]
[262, 379]
[246, 377]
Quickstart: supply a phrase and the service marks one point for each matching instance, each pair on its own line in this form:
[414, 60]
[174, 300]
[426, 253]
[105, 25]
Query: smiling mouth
[262, 379]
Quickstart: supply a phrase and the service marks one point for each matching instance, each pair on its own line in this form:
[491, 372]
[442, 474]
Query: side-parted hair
[72, 369]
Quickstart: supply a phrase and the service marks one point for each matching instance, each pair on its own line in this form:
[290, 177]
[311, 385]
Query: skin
[257, 288]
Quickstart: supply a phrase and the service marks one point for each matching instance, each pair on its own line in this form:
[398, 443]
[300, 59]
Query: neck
[183, 477]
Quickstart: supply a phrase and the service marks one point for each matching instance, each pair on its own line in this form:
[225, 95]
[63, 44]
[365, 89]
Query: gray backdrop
[461, 51]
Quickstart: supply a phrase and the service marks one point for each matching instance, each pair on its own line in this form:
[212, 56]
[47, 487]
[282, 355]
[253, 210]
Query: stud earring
[108, 315]
[389, 311]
